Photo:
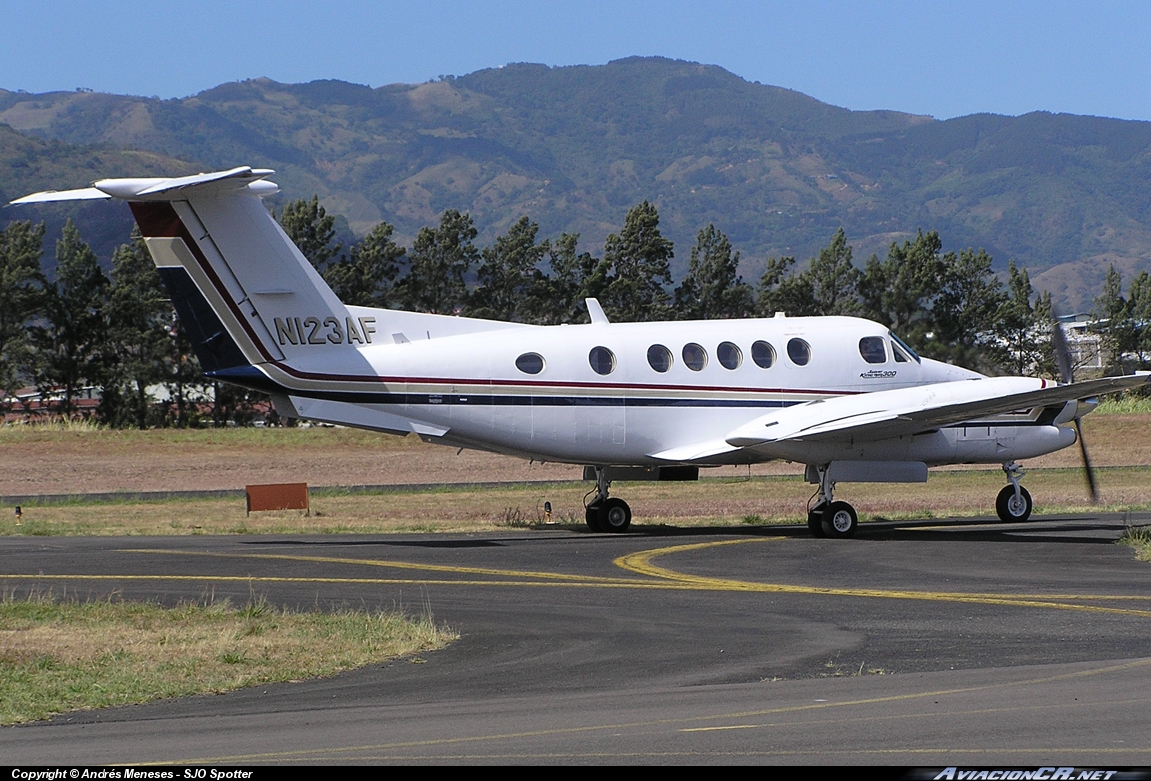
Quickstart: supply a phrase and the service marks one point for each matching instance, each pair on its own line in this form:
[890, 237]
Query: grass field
[65, 459]
[709, 502]
[59, 655]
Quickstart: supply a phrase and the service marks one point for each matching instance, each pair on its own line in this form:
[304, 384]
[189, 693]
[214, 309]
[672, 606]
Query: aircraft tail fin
[244, 292]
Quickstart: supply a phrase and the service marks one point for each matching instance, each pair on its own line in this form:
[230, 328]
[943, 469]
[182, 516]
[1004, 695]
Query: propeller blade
[1088, 470]
[1062, 353]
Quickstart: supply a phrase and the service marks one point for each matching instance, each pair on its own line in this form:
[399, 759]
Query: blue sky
[940, 58]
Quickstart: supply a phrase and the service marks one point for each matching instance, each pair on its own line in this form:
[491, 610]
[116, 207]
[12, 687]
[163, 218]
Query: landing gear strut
[1013, 505]
[605, 514]
[827, 517]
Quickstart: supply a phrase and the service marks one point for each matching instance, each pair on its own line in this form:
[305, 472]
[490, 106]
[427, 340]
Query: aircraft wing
[887, 414]
[894, 413]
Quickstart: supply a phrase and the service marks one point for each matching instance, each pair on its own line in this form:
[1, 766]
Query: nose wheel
[1013, 505]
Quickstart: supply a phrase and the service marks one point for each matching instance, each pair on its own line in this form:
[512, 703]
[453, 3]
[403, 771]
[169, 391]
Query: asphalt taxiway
[919, 643]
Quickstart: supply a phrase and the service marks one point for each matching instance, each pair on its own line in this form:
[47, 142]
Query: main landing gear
[604, 514]
[827, 517]
[1013, 505]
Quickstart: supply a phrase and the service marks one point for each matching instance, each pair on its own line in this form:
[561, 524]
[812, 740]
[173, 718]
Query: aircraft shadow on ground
[1064, 529]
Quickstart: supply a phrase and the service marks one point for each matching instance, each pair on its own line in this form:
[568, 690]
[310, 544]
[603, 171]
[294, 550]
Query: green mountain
[575, 147]
[31, 164]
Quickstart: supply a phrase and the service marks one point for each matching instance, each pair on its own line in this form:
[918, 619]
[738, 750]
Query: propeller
[1063, 361]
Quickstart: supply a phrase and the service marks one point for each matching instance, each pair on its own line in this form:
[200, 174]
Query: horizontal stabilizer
[164, 189]
[50, 196]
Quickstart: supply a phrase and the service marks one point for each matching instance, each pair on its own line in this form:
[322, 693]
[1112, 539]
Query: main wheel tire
[839, 520]
[614, 516]
[591, 515]
[1011, 508]
[815, 520]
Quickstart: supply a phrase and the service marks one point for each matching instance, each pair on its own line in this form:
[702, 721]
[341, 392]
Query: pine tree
[712, 288]
[1025, 328]
[140, 330]
[312, 229]
[510, 280]
[639, 258]
[22, 293]
[1113, 322]
[780, 289]
[574, 277]
[900, 290]
[439, 260]
[367, 275]
[834, 280]
[965, 313]
[72, 343]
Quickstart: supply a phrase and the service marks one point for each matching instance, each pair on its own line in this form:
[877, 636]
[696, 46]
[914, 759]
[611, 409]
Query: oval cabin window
[763, 354]
[602, 360]
[694, 357]
[530, 363]
[659, 358]
[799, 352]
[729, 355]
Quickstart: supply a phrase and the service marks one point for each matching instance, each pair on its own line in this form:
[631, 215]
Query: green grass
[1139, 538]
[59, 655]
[1125, 404]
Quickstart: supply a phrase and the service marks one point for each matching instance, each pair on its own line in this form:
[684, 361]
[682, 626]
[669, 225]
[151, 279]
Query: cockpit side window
[872, 349]
[899, 346]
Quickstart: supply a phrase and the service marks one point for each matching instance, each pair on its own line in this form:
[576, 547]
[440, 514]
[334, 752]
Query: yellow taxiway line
[651, 576]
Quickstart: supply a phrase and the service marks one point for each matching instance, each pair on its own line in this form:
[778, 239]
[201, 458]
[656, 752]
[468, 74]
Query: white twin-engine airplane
[629, 401]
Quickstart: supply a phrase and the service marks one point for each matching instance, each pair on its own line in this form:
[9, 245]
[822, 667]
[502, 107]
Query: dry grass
[74, 458]
[712, 502]
[61, 655]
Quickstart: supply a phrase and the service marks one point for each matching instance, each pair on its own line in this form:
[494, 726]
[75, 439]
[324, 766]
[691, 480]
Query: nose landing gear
[1013, 505]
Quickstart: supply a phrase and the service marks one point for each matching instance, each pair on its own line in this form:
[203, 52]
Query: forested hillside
[574, 148]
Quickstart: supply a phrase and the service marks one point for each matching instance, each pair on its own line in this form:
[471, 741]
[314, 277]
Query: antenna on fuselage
[595, 311]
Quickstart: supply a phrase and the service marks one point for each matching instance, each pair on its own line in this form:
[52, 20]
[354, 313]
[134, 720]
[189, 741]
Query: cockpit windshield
[900, 343]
